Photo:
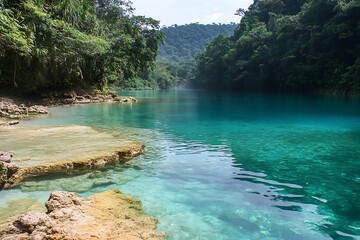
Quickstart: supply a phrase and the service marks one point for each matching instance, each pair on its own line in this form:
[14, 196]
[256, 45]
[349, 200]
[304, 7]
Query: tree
[69, 44]
[302, 45]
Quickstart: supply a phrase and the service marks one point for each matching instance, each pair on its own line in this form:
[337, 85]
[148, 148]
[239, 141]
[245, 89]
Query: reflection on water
[228, 166]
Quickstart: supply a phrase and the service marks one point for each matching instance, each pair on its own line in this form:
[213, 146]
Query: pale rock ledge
[107, 215]
[46, 150]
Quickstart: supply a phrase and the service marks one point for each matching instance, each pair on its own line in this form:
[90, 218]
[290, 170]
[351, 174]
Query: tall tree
[302, 45]
[73, 43]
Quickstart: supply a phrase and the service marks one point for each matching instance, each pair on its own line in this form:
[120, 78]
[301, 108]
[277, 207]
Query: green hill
[183, 42]
[176, 57]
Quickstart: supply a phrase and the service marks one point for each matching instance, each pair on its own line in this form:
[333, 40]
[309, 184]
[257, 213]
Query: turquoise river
[227, 166]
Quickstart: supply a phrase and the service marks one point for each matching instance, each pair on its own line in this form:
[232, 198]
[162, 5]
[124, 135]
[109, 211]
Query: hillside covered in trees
[302, 45]
[183, 42]
[67, 44]
[176, 57]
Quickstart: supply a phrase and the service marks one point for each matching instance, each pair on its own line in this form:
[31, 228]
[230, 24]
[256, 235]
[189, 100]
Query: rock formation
[8, 123]
[81, 149]
[6, 156]
[9, 109]
[7, 170]
[73, 97]
[107, 215]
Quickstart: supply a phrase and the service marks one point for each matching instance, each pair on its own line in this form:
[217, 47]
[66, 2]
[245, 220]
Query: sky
[180, 12]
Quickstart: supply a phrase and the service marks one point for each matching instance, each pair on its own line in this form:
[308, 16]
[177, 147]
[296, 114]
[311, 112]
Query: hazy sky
[189, 11]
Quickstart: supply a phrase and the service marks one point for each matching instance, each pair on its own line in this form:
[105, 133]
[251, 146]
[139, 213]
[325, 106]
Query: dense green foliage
[176, 57]
[66, 44]
[302, 45]
[183, 42]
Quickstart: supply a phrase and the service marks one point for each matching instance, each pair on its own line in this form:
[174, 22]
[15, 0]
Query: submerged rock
[107, 215]
[123, 99]
[9, 123]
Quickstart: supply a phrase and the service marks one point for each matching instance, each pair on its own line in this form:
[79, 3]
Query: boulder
[11, 110]
[30, 221]
[81, 100]
[6, 156]
[7, 170]
[123, 99]
[107, 215]
[37, 109]
[9, 123]
[59, 199]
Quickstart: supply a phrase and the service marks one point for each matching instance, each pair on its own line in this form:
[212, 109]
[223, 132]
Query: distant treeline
[176, 57]
[287, 45]
[67, 44]
[183, 42]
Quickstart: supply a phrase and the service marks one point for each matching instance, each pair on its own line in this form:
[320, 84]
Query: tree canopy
[183, 42]
[302, 45]
[176, 58]
[46, 44]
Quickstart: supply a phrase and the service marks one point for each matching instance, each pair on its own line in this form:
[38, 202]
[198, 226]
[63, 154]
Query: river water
[227, 165]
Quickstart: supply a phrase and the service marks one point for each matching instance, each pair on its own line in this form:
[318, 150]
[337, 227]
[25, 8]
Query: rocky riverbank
[68, 149]
[10, 110]
[107, 215]
[65, 98]
[72, 97]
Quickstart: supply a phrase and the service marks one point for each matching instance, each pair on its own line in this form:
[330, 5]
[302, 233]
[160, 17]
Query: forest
[68, 44]
[183, 42]
[176, 56]
[287, 45]
[279, 45]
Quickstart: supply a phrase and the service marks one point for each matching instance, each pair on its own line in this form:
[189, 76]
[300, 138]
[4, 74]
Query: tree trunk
[14, 80]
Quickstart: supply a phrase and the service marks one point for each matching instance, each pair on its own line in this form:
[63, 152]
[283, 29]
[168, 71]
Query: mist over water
[227, 165]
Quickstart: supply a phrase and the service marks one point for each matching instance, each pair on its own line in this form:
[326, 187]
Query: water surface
[227, 165]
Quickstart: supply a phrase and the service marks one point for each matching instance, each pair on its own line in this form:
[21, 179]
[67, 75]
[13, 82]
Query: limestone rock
[108, 215]
[6, 156]
[7, 171]
[9, 109]
[9, 123]
[14, 122]
[123, 99]
[60, 199]
[30, 221]
[77, 152]
[37, 109]
[82, 100]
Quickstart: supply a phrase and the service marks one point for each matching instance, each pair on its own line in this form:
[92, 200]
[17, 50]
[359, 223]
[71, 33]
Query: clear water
[226, 165]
